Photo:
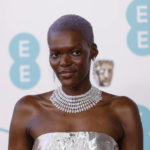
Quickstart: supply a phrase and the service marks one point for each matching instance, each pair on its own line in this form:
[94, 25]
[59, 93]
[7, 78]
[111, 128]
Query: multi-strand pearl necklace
[75, 104]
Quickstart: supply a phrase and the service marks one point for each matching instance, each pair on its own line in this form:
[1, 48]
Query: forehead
[67, 38]
[106, 65]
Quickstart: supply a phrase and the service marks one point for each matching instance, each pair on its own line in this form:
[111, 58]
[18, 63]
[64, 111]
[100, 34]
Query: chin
[71, 82]
[68, 83]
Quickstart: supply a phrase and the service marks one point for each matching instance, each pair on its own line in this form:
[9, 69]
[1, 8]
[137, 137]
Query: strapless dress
[75, 141]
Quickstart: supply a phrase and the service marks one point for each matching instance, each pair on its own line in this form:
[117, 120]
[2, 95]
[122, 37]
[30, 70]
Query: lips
[66, 74]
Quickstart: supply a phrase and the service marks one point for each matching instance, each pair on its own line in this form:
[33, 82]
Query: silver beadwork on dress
[75, 104]
[75, 141]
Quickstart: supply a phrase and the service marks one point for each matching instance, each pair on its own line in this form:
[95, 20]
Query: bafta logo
[103, 71]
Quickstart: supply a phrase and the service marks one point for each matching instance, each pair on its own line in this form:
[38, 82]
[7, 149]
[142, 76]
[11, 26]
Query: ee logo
[25, 72]
[138, 16]
[145, 118]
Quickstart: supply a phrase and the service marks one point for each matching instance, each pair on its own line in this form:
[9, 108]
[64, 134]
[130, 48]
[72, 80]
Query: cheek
[84, 66]
[84, 60]
[53, 64]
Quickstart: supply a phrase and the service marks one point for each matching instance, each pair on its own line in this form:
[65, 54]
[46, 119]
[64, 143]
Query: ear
[94, 51]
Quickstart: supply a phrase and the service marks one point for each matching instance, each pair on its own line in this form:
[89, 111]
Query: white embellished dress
[75, 141]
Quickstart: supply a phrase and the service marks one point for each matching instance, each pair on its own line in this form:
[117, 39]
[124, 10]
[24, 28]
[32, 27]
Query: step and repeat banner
[122, 34]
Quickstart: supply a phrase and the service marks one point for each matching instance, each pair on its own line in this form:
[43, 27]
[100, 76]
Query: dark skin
[70, 58]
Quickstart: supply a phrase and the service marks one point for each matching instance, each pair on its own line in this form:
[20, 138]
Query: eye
[101, 71]
[54, 54]
[76, 52]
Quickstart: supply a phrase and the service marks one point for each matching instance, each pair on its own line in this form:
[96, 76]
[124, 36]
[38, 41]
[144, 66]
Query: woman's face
[69, 57]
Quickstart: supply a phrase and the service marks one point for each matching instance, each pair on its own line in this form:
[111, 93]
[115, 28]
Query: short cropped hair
[73, 22]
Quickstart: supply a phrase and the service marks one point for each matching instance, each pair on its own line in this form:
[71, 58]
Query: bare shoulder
[30, 104]
[25, 108]
[25, 111]
[29, 100]
[33, 100]
[126, 110]
[127, 113]
[123, 104]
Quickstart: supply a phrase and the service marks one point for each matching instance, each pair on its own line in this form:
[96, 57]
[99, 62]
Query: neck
[79, 89]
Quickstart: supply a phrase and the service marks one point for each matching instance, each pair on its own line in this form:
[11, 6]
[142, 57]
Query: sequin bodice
[75, 141]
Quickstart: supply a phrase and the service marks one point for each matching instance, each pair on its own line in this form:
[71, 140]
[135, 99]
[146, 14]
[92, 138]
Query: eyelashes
[56, 54]
[76, 52]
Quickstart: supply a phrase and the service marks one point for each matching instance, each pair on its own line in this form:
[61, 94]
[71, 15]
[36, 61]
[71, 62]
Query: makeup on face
[69, 57]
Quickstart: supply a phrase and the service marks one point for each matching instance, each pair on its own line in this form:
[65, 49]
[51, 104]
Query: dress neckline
[75, 132]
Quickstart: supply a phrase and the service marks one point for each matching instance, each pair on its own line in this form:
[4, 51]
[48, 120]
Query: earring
[93, 59]
[54, 76]
[93, 65]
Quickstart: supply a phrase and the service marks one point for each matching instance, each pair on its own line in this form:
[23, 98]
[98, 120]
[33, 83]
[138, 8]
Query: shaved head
[73, 22]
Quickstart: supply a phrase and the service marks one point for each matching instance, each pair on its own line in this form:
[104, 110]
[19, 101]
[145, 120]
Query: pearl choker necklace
[75, 104]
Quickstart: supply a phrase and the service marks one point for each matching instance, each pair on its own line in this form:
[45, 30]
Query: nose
[65, 60]
[106, 73]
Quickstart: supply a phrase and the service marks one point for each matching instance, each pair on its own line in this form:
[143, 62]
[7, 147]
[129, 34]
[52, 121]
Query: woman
[76, 116]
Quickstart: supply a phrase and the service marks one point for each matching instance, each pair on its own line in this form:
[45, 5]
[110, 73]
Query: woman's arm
[128, 114]
[19, 139]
